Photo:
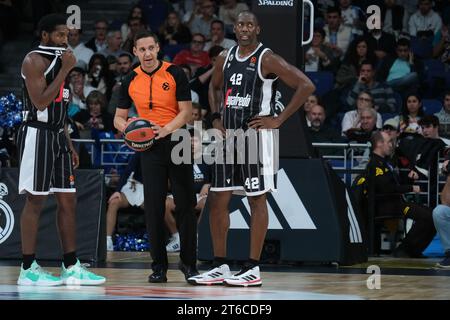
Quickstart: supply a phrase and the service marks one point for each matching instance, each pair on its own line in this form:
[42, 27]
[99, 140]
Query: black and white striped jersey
[55, 115]
[246, 92]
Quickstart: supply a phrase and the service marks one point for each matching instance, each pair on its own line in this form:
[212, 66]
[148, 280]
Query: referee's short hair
[145, 34]
[49, 22]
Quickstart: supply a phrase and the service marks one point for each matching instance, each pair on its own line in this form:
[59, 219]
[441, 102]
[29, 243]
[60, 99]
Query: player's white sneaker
[245, 278]
[211, 277]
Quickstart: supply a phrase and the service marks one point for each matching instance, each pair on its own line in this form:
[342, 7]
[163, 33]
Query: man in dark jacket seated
[389, 201]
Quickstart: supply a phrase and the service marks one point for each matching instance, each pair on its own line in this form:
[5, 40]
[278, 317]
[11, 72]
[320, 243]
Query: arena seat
[431, 106]
[323, 80]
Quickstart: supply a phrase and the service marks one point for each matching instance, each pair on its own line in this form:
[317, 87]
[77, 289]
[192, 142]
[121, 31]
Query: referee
[161, 94]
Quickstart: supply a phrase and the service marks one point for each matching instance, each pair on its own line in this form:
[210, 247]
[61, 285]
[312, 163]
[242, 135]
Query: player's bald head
[248, 15]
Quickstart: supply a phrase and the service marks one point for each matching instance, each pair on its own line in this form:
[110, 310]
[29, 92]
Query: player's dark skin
[42, 95]
[247, 30]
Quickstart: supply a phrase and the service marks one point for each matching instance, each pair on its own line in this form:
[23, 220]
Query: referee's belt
[44, 126]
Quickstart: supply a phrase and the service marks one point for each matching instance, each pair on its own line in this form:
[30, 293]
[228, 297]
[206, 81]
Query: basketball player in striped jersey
[47, 156]
[242, 95]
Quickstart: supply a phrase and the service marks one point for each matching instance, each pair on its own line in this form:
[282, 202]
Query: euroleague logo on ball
[6, 215]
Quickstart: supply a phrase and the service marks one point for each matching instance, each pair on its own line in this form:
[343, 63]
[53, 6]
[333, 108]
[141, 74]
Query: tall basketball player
[47, 157]
[244, 86]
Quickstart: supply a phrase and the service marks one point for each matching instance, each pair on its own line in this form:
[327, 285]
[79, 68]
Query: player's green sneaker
[37, 276]
[79, 275]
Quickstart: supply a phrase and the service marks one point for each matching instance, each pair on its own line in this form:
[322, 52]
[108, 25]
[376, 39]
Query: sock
[108, 238]
[176, 235]
[251, 263]
[70, 259]
[218, 261]
[28, 260]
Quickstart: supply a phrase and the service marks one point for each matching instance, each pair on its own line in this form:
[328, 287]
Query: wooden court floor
[127, 272]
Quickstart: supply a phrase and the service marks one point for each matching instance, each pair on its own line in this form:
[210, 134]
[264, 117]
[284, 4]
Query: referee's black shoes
[188, 271]
[158, 276]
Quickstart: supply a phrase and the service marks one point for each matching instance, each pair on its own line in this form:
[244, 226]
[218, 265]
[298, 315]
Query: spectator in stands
[403, 72]
[383, 43]
[352, 16]
[196, 115]
[441, 218]
[188, 72]
[173, 32]
[444, 117]
[228, 12]
[218, 36]
[430, 128]
[337, 36]
[123, 67]
[98, 42]
[129, 192]
[200, 81]
[310, 102]
[441, 46]
[352, 119]
[193, 10]
[395, 18]
[114, 41]
[155, 11]
[195, 56]
[368, 125]
[202, 24]
[79, 90]
[136, 12]
[412, 112]
[383, 95]
[389, 199]
[95, 118]
[318, 56]
[81, 52]
[390, 126]
[424, 22]
[320, 132]
[357, 52]
[99, 76]
[135, 25]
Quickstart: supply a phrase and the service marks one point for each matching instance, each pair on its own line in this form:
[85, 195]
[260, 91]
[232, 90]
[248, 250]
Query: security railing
[347, 159]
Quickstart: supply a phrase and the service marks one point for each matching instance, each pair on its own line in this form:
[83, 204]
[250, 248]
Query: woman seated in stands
[357, 52]
[95, 118]
[352, 119]
[412, 112]
[173, 32]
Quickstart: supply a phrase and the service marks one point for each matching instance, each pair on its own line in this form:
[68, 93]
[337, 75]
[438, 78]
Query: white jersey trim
[236, 55]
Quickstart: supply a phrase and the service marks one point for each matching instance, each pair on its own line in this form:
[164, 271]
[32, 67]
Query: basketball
[138, 134]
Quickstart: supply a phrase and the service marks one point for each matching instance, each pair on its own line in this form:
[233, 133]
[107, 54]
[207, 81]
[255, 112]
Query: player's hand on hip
[264, 123]
[68, 60]
[160, 132]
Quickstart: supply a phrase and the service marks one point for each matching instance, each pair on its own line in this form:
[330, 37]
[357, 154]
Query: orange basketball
[138, 134]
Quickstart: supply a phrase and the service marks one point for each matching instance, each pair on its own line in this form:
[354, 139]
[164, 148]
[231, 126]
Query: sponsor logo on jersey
[237, 101]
